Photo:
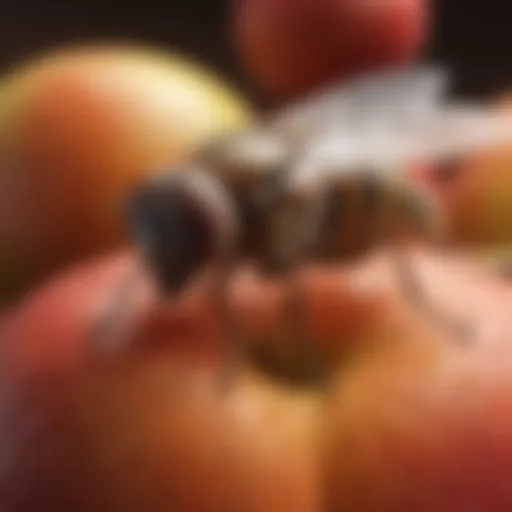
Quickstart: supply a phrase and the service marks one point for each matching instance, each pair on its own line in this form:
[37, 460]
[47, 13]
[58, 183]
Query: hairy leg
[234, 339]
[111, 327]
[427, 218]
[295, 228]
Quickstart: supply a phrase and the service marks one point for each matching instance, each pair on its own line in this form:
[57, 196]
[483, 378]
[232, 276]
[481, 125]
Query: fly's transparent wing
[458, 129]
[449, 131]
[370, 102]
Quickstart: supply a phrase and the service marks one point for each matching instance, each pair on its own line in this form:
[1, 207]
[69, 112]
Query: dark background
[473, 36]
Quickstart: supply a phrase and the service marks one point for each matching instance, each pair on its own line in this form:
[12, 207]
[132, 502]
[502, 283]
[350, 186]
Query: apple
[79, 126]
[475, 192]
[478, 198]
[413, 417]
[291, 46]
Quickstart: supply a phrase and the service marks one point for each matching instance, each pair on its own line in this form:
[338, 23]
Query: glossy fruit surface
[413, 418]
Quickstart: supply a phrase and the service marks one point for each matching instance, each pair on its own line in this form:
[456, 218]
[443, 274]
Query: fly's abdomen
[374, 211]
[350, 213]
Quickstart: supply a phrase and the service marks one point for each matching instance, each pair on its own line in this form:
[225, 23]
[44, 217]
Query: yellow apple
[476, 194]
[79, 126]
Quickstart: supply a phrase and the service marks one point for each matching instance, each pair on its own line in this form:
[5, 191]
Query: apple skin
[197, 471]
[291, 46]
[478, 199]
[476, 193]
[413, 419]
[79, 127]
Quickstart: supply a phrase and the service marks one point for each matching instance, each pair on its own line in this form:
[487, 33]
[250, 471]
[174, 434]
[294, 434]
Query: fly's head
[182, 219]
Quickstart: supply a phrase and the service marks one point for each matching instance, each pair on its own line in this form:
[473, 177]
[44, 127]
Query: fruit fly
[280, 193]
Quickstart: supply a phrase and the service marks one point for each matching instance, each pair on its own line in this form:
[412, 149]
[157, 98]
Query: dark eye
[172, 232]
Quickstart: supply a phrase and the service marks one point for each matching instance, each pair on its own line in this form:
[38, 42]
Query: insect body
[279, 194]
[362, 161]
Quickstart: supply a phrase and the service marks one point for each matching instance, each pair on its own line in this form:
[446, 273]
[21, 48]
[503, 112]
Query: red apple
[413, 418]
[291, 46]
[79, 126]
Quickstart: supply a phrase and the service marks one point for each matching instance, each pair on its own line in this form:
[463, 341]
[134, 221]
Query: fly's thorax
[292, 224]
[251, 165]
[244, 159]
[344, 232]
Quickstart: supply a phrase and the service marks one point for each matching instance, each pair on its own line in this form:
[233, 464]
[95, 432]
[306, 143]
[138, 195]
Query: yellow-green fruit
[81, 125]
[477, 196]
[480, 203]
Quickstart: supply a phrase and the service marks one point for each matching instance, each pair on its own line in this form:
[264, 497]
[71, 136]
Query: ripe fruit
[476, 194]
[478, 199]
[290, 46]
[78, 127]
[412, 420]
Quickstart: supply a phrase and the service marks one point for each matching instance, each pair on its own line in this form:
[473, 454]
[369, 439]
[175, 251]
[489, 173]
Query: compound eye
[172, 233]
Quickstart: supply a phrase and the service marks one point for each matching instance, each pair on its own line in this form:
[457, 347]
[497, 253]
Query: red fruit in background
[291, 46]
[79, 126]
[412, 420]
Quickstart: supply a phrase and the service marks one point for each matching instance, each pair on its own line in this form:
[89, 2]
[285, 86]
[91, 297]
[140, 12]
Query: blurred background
[473, 36]
[77, 139]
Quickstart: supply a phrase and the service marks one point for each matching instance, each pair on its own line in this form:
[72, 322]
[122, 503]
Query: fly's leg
[427, 217]
[415, 291]
[294, 231]
[233, 337]
[110, 329]
[306, 360]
